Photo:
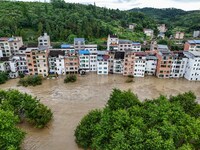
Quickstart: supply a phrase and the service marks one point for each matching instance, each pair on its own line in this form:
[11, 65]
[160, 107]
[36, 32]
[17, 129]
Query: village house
[118, 63]
[192, 45]
[102, 62]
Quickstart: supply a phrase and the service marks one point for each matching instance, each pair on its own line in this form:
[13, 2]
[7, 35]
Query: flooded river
[70, 102]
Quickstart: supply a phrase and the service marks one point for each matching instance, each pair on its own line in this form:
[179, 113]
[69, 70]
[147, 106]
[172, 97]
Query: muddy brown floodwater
[70, 102]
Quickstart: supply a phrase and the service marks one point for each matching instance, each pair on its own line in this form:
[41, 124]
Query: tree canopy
[127, 123]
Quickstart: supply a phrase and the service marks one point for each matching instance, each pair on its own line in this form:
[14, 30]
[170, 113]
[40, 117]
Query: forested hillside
[64, 21]
[175, 19]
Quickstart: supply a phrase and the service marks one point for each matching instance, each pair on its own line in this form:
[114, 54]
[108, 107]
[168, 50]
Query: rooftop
[194, 41]
[84, 52]
[125, 42]
[56, 53]
[136, 43]
[79, 39]
[65, 46]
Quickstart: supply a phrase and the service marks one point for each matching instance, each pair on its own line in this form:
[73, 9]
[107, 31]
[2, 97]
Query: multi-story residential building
[60, 65]
[196, 34]
[44, 41]
[53, 56]
[111, 62]
[178, 64]
[84, 60]
[118, 63]
[71, 64]
[124, 45]
[162, 28]
[93, 56]
[42, 62]
[10, 46]
[20, 61]
[149, 32]
[68, 49]
[79, 44]
[112, 43]
[151, 63]
[13, 72]
[92, 48]
[179, 35]
[192, 71]
[136, 47]
[139, 64]
[164, 63]
[192, 45]
[129, 60]
[31, 61]
[102, 62]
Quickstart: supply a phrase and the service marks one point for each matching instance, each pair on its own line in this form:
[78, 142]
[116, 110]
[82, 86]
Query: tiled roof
[84, 52]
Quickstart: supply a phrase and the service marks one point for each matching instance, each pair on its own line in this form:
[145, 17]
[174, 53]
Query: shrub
[30, 81]
[70, 78]
[3, 77]
[129, 80]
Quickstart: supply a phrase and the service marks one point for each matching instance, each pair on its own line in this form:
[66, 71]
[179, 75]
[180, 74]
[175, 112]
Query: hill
[175, 19]
[64, 21]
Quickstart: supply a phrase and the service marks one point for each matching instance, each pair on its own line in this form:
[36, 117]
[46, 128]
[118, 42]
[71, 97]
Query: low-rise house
[139, 64]
[179, 35]
[136, 47]
[149, 33]
[44, 40]
[192, 70]
[125, 45]
[118, 63]
[196, 34]
[79, 44]
[162, 28]
[192, 45]
[102, 63]
[112, 43]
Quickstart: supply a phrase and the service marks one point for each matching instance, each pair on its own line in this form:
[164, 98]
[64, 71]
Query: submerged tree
[126, 123]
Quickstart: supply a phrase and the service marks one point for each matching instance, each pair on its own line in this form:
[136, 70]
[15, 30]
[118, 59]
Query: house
[111, 62]
[10, 46]
[102, 62]
[84, 60]
[136, 47]
[112, 43]
[118, 63]
[162, 28]
[196, 34]
[20, 61]
[179, 35]
[31, 61]
[54, 60]
[129, 60]
[124, 45]
[164, 63]
[44, 41]
[93, 56]
[132, 26]
[151, 63]
[139, 64]
[192, 45]
[4, 64]
[68, 49]
[149, 33]
[71, 64]
[192, 70]
[79, 44]
[60, 65]
[179, 62]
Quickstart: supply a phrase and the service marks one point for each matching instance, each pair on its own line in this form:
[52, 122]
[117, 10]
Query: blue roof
[66, 46]
[136, 43]
[10, 39]
[194, 41]
[79, 39]
[84, 52]
[101, 52]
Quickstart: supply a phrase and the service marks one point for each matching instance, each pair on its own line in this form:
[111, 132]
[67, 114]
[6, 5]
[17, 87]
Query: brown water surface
[70, 102]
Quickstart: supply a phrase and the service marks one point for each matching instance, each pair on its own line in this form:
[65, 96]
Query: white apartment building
[192, 71]
[60, 65]
[13, 69]
[21, 64]
[151, 63]
[192, 45]
[44, 41]
[196, 34]
[102, 63]
[140, 64]
[178, 65]
[112, 43]
[93, 56]
[124, 45]
[136, 47]
[84, 60]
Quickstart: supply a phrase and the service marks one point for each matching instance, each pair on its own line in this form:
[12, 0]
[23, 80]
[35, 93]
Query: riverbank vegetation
[3, 77]
[30, 81]
[127, 123]
[70, 78]
[16, 107]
